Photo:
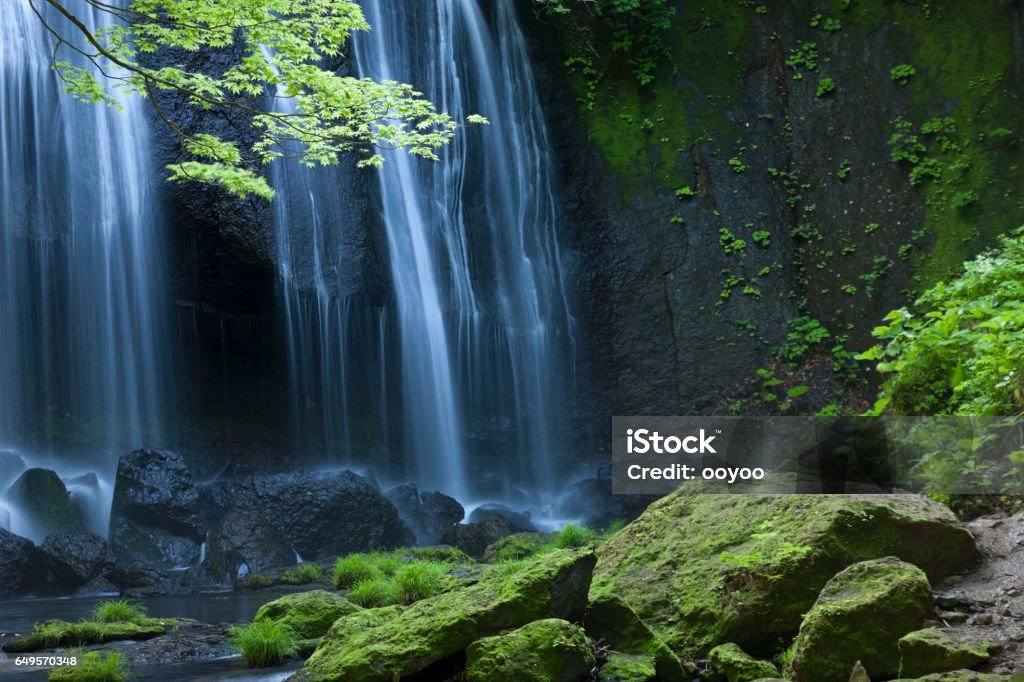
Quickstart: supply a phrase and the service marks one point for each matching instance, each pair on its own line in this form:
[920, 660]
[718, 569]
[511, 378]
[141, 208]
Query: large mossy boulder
[549, 650]
[628, 668]
[937, 650]
[703, 570]
[392, 642]
[736, 665]
[860, 615]
[307, 614]
[154, 515]
[43, 499]
[612, 622]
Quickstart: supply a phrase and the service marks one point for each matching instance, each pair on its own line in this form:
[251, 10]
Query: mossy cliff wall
[753, 180]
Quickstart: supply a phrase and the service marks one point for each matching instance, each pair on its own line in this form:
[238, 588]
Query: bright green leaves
[283, 45]
[963, 352]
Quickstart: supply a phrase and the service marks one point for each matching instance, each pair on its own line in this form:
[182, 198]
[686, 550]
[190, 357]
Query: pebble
[984, 619]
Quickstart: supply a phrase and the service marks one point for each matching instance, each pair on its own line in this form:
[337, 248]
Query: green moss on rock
[307, 614]
[935, 650]
[51, 634]
[611, 620]
[860, 615]
[388, 643]
[739, 666]
[628, 668]
[519, 546]
[703, 570]
[549, 650]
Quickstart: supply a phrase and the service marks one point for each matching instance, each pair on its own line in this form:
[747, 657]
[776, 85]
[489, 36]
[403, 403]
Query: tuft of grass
[418, 580]
[94, 666]
[263, 644]
[303, 574]
[571, 536]
[373, 592]
[119, 611]
[354, 568]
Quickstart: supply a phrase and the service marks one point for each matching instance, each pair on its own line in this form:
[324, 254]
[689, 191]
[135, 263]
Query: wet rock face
[475, 538]
[44, 499]
[319, 515]
[429, 514]
[518, 522]
[17, 563]
[85, 554]
[243, 539]
[154, 515]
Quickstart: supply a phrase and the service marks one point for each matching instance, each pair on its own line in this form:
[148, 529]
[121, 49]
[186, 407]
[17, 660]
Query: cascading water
[83, 352]
[472, 358]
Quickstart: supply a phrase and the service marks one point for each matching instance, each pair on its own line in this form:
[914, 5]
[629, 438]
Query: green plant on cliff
[281, 45]
[960, 349]
[901, 74]
[636, 27]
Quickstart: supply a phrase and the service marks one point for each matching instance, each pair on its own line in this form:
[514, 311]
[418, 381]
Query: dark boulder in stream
[430, 514]
[154, 517]
[319, 515]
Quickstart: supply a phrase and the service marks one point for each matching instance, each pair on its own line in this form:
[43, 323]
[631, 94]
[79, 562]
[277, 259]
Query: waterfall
[83, 352]
[466, 368]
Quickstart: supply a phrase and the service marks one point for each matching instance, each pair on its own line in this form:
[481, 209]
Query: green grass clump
[303, 574]
[572, 536]
[418, 580]
[373, 592]
[263, 644]
[119, 611]
[95, 666]
[352, 569]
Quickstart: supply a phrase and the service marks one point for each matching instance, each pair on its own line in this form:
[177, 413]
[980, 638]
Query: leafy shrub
[94, 666]
[263, 644]
[373, 592]
[962, 349]
[351, 569]
[901, 74]
[119, 611]
[572, 535]
[825, 86]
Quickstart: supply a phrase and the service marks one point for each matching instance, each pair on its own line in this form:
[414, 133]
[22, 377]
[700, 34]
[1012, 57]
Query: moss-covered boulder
[860, 616]
[308, 614]
[44, 500]
[51, 634]
[936, 650]
[518, 546]
[628, 668]
[384, 644]
[736, 665]
[703, 570]
[549, 650]
[612, 622]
